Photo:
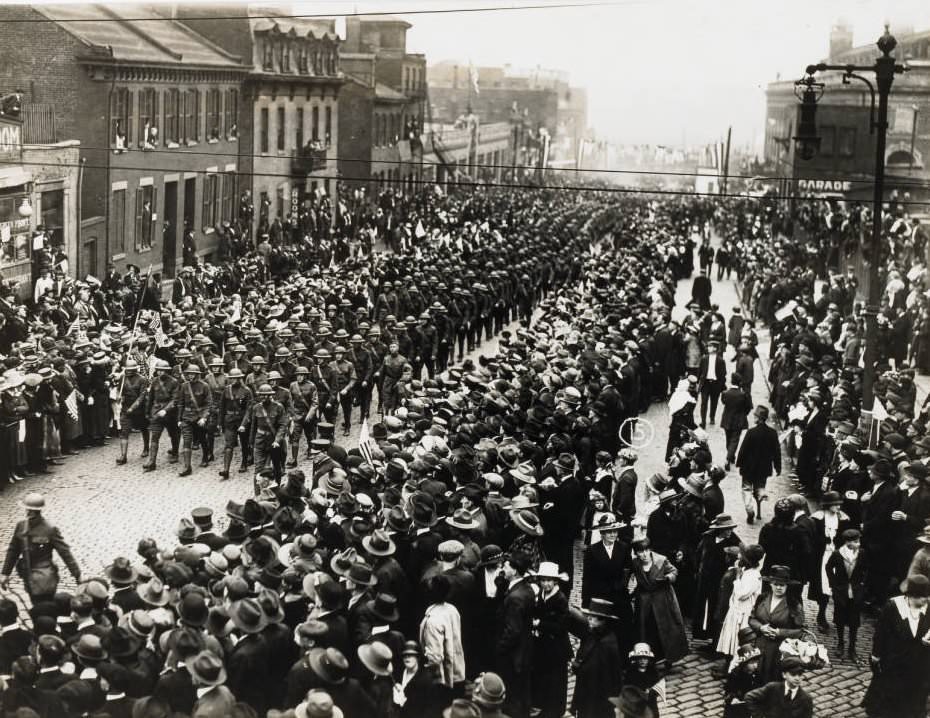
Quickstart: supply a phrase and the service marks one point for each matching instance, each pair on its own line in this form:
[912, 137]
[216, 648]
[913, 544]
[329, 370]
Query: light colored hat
[549, 569]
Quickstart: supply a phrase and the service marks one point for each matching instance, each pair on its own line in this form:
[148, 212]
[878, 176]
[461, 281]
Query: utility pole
[726, 163]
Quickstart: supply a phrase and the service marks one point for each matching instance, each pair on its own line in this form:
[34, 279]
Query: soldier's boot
[853, 655]
[146, 437]
[172, 456]
[211, 441]
[244, 466]
[123, 449]
[186, 470]
[153, 455]
[227, 461]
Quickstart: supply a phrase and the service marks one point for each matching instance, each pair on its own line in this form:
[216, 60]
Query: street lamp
[885, 68]
[807, 141]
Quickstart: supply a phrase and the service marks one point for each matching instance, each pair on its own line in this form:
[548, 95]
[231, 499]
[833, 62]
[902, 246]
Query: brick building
[38, 188]
[384, 106]
[290, 100]
[154, 105]
[844, 166]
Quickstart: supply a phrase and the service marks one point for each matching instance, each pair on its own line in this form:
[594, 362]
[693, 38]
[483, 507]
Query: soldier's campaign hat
[192, 369]
[301, 369]
[257, 359]
[216, 361]
[235, 373]
[265, 390]
[33, 502]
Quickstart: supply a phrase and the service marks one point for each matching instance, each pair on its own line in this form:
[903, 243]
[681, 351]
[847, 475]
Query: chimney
[841, 39]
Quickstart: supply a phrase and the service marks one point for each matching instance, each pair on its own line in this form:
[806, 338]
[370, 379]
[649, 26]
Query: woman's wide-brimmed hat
[601, 607]
[527, 522]
[917, 586]
[780, 575]
[642, 650]
[549, 569]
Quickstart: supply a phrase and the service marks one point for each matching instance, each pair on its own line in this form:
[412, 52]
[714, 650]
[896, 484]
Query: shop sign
[11, 139]
[811, 185]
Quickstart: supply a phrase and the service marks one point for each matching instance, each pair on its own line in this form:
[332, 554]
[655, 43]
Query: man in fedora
[30, 552]
[712, 375]
[563, 500]
[214, 700]
[878, 531]
[247, 663]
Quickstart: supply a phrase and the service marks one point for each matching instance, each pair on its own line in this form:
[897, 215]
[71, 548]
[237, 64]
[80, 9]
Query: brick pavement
[103, 510]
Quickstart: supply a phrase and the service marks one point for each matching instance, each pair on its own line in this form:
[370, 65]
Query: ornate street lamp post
[885, 68]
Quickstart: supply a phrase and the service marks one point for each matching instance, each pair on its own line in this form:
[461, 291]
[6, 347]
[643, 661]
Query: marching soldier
[195, 403]
[233, 410]
[30, 552]
[392, 369]
[257, 376]
[132, 410]
[160, 409]
[282, 395]
[217, 381]
[344, 380]
[363, 362]
[322, 375]
[428, 345]
[378, 351]
[236, 358]
[443, 333]
[269, 425]
[284, 366]
[304, 410]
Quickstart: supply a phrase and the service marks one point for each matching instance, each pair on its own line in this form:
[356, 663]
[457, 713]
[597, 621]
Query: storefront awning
[13, 177]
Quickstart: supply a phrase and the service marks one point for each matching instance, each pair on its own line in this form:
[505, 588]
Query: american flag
[71, 405]
[366, 443]
[154, 326]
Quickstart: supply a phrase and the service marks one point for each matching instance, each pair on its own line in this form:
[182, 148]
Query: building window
[209, 201]
[299, 135]
[52, 204]
[145, 214]
[172, 119]
[846, 142]
[301, 53]
[279, 54]
[228, 210]
[191, 116]
[214, 114]
[121, 119]
[328, 125]
[282, 127]
[268, 55]
[279, 202]
[827, 140]
[231, 114]
[148, 118]
[263, 129]
[285, 57]
[15, 231]
[315, 123]
[118, 215]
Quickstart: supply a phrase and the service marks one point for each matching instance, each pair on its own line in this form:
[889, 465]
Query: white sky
[657, 71]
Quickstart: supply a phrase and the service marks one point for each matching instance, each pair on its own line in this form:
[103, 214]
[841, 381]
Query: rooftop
[135, 34]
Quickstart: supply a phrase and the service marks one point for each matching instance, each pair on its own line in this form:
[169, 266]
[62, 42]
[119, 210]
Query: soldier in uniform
[269, 426]
[304, 410]
[429, 345]
[216, 379]
[282, 395]
[195, 404]
[132, 411]
[233, 410]
[160, 409]
[257, 376]
[443, 333]
[236, 358]
[378, 350]
[322, 376]
[392, 369]
[284, 366]
[344, 379]
[30, 552]
[363, 362]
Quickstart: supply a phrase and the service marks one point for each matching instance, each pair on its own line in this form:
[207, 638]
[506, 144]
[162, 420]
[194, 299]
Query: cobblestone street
[104, 509]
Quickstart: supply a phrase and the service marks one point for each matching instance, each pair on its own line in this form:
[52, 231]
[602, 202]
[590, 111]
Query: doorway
[170, 231]
[190, 197]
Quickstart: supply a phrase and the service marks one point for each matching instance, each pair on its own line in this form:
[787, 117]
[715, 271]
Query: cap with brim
[549, 569]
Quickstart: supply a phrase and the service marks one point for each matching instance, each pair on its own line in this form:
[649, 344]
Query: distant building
[844, 166]
[290, 112]
[154, 105]
[383, 106]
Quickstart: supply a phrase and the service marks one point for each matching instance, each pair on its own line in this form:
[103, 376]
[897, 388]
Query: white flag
[419, 231]
[878, 410]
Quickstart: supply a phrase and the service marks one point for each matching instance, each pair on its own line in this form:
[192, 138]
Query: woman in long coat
[901, 656]
[606, 575]
[658, 616]
[551, 647]
[776, 616]
[596, 665]
[829, 524]
[712, 564]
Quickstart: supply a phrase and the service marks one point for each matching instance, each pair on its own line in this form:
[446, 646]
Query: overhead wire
[479, 184]
[180, 151]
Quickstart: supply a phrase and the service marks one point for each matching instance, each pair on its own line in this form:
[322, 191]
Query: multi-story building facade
[384, 106]
[290, 102]
[155, 106]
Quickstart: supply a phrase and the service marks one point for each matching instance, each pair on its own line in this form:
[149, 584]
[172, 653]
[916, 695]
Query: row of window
[218, 203]
[414, 78]
[148, 117]
[299, 55]
[301, 140]
[837, 141]
[389, 129]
